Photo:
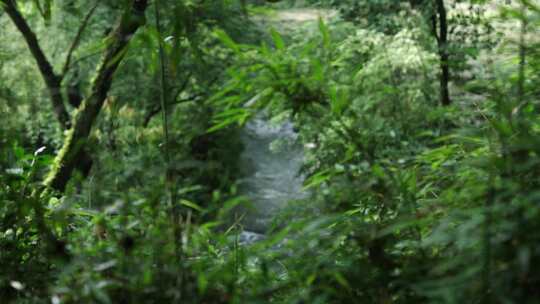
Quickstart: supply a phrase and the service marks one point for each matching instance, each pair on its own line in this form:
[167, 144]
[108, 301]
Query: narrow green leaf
[191, 205]
[323, 28]
[278, 40]
[227, 40]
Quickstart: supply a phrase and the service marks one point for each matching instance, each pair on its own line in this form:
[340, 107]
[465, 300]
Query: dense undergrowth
[410, 201]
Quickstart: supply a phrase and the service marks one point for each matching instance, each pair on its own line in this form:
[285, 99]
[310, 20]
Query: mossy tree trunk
[72, 152]
[53, 80]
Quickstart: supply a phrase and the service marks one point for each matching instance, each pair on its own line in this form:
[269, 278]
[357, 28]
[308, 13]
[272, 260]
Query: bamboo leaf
[191, 205]
[278, 40]
[227, 40]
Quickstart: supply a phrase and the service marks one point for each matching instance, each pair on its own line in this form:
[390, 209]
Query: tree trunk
[443, 53]
[72, 151]
[52, 80]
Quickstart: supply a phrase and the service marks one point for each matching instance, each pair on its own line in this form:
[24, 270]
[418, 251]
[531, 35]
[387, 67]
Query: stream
[272, 156]
[271, 163]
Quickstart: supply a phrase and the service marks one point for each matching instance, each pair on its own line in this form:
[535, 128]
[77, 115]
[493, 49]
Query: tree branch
[157, 110]
[434, 27]
[86, 57]
[177, 101]
[52, 80]
[73, 149]
[77, 39]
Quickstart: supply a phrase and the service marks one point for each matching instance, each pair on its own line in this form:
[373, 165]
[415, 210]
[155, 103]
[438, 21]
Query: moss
[77, 137]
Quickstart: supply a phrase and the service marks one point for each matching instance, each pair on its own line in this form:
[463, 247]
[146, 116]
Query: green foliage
[24, 245]
[409, 202]
[418, 189]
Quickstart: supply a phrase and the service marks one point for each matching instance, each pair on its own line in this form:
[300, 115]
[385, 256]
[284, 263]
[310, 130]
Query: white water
[271, 162]
[272, 157]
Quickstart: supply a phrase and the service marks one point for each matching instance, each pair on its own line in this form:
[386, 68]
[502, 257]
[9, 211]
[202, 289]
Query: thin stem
[170, 183]
[522, 57]
[77, 39]
[486, 273]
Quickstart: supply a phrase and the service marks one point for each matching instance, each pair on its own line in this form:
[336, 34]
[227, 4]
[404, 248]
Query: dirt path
[287, 19]
[300, 15]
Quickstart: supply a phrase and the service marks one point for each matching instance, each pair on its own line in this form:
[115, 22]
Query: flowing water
[271, 163]
[272, 155]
